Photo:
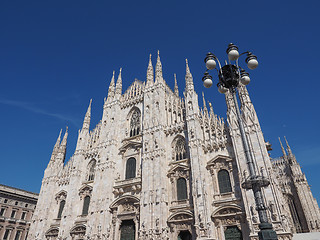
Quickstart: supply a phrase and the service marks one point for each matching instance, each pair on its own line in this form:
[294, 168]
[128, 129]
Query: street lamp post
[230, 75]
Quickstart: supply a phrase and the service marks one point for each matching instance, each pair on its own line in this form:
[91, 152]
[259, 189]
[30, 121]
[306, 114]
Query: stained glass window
[86, 203]
[224, 181]
[92, 167]
[131, 168]
[62, 203]
[181, 189]
[135, 123]
[180, 149]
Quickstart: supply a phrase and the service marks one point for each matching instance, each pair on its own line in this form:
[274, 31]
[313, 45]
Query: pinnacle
[187, 68]
[176, 89]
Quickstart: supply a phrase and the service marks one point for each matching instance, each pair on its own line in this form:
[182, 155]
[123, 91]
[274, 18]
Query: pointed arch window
[181, 189]
[224, 181]
[61, 207]
[135, 123]
[86, 203]
[180, 149]
[131, 168]
[91, 173]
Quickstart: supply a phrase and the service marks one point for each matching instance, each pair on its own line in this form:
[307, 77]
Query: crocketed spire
[119, 84]
[63, 146]
[159, 77]
[111, 88]
[176, 89]
[189, 78]
[56, 147]
[150, 73]
[87, 118]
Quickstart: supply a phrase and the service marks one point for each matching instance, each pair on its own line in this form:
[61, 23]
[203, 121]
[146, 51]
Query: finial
[158, 53]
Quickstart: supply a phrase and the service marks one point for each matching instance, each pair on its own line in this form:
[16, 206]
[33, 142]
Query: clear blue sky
[56, 55]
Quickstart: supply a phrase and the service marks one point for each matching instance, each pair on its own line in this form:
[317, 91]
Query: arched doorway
[233, 233]
[127, 230]
[184, 235]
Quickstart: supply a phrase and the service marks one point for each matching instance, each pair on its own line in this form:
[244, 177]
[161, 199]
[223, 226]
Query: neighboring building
[16, 210]
[157, 166]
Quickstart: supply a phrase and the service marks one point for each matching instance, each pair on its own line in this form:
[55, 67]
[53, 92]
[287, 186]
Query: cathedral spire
[282, 148]
[119, 84]
[176, 89]
[63, 146]
[111, 88]
[159, 77]
[189, 79]
[205, 110]
[204, 101]
[150, 73]
[87, 118]
[211, 110]
[288, 147]
[56, 147]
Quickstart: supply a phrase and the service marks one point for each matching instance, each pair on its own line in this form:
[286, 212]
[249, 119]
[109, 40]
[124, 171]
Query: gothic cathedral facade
[157, 166]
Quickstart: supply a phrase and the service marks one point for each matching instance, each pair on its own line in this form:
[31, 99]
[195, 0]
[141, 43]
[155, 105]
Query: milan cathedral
[159, 166]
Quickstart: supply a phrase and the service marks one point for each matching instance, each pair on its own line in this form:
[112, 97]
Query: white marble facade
[157, 166]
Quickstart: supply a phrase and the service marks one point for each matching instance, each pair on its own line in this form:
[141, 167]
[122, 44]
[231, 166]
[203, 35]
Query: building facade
[158, 166]
[16, 210]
